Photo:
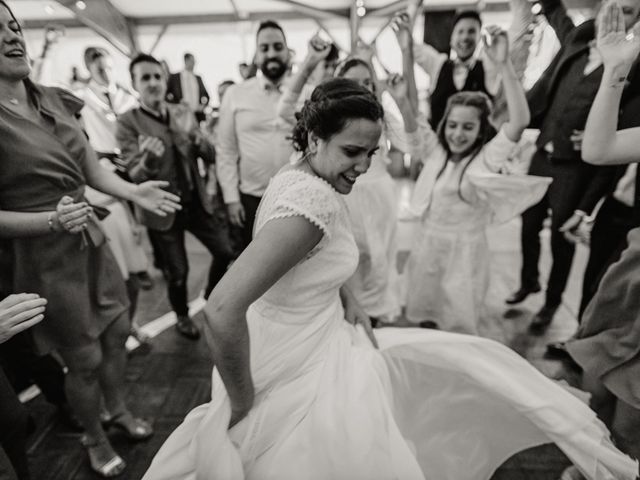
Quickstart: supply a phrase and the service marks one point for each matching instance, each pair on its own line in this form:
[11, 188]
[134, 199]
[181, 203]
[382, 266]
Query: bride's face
[347, 154]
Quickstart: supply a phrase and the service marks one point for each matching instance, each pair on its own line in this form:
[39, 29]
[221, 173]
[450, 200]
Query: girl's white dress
[427, 405]
[448, 266]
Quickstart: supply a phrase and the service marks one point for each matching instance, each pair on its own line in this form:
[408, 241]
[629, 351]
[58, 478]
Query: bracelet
[51, 222]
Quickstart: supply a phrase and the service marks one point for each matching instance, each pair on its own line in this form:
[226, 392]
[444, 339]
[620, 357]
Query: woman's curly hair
[331, 106]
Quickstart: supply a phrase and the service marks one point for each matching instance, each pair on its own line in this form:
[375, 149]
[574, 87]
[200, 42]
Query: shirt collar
[161, 116]
[469, 63]
[267, 84]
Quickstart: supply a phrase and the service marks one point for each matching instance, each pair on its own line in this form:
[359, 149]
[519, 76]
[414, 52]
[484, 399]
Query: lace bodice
[313, 283]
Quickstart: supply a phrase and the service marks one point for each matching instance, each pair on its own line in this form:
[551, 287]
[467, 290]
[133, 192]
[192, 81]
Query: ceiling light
[49, 9]
[361, 11]
[80, 5]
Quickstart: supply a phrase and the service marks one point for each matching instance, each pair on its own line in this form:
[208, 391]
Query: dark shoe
[69, 418]
[145, 280]
[542, 320]
[557, 350]
[187, 328]
[522, 294]
[430, 324]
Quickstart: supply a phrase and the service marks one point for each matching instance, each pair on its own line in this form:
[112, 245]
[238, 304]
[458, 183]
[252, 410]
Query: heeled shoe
[111, 468]
[139, 431]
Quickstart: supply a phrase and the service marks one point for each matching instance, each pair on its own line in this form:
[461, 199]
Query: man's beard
[273, 73]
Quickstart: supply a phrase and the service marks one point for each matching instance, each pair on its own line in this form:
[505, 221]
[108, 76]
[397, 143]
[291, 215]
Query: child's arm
[497, 47]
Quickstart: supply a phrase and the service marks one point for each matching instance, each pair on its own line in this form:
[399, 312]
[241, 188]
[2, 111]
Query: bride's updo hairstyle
[331, 106]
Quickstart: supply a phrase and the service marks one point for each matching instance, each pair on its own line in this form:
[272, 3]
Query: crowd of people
[287, 185]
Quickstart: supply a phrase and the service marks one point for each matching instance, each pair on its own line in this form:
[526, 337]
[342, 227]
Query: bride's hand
[354, 314]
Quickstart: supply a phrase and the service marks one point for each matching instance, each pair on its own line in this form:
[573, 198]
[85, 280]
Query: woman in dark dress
[57, 246]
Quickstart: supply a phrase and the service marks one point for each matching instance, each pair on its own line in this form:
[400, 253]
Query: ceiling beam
[107, 21]
[315, 12]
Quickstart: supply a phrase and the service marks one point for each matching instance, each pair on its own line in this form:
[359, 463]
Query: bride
[300, 387]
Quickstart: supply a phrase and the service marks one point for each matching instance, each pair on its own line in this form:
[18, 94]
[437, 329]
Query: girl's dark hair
[482, 103]
[5, 5]
[331, 106]
[349, 63]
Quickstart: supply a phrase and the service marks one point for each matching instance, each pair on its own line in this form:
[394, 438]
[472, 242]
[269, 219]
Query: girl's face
[461, 129]
[361, 75]
[14, 64]
[346, 155]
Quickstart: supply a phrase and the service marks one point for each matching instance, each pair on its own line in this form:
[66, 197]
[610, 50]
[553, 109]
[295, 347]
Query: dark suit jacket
[174, 90]
[180, 152]
[574, 41]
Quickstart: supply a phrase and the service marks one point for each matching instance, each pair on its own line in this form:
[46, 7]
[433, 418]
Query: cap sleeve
[294, 193]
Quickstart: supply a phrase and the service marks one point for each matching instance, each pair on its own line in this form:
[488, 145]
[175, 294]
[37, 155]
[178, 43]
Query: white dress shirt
[190, 90]
[252, 139]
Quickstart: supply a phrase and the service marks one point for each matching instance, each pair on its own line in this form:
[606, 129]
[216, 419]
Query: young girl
[373, 203]
[458, 194]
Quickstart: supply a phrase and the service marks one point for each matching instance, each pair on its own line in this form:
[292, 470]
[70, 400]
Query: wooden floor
[174, 377]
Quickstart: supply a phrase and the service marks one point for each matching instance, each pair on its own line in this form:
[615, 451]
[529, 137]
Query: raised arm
[556, 14]
[602, 144]
[277, 247]
[317, 52]
[496, 46]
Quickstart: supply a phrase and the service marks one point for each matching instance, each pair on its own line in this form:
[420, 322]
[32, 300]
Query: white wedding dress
[328, 406]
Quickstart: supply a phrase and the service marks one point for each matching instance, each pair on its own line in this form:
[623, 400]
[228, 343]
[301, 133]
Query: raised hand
[397, 86]
[401, 26]
[151, 196]
[496, 44]
[365, 51]
[318, 51]
[615, 46]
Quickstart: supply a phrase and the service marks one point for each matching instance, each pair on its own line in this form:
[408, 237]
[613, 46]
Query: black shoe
[557, 350]
[522, 294]
[187, 328]
[145, 281]
[542, 320]
[430, 324]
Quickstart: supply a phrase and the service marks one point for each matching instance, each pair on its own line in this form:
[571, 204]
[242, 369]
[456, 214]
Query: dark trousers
[570, 181]
[211, 230]
[243, 235]
[13, 433]
[608, 239]
[24, 367]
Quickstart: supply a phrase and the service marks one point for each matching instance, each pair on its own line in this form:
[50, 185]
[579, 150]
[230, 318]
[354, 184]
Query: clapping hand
[19, 312]
[496, 44]
[70, 216]
[615, 46]
[151, 196]
[151, 144]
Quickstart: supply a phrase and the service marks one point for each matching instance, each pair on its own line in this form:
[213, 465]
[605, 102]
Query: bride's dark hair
[331, 106]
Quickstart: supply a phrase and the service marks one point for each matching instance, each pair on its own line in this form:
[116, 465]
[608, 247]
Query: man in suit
[161, 141]
[560, 102]
[186, 86]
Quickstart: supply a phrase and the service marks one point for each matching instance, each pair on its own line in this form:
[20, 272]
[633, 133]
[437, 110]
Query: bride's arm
[279, 246]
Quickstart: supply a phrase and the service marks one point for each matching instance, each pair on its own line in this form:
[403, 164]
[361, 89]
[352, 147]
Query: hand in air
[496, 44]
[317, 51]
[401, 26]
[616, 47]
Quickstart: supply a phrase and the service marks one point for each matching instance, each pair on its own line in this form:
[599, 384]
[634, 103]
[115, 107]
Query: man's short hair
[188, 55]
[142, 58]
[471, 14]
[91, 54]
[270, 24]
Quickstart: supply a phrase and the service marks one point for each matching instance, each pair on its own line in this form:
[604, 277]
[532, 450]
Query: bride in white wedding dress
[300, 392]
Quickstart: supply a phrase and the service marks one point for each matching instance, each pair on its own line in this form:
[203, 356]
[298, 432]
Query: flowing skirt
[427, 405]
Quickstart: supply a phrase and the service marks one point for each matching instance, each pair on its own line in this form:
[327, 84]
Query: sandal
[112, 468]
[141, 430]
